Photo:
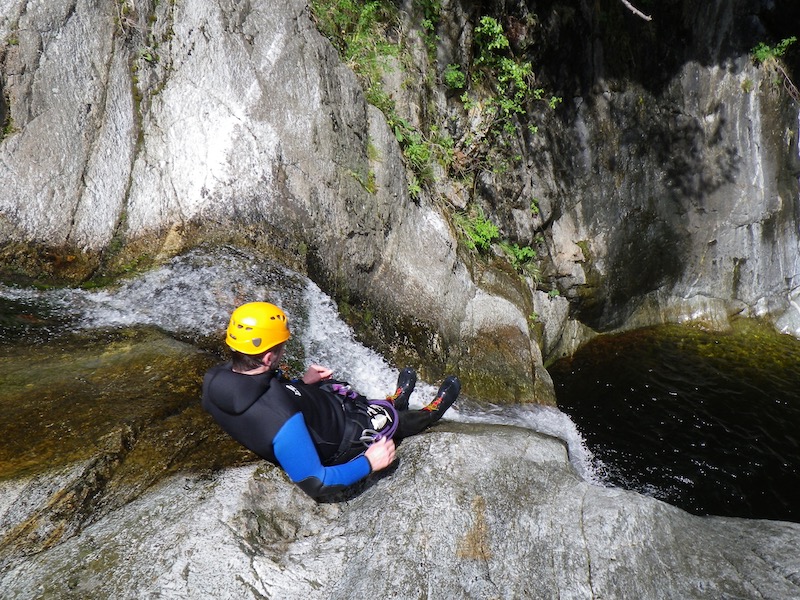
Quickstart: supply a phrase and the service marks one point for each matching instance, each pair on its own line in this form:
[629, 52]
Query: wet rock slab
[470, 511]
[92, 420]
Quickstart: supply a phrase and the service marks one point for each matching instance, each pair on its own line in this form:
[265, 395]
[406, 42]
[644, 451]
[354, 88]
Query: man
[324, 435]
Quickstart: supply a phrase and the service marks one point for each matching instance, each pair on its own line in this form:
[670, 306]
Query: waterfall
[191, 297]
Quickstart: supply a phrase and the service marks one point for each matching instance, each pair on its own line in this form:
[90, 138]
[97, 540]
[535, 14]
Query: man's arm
[297, 455]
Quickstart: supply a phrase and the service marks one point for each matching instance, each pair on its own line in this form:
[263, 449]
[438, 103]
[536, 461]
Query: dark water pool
[705, 421]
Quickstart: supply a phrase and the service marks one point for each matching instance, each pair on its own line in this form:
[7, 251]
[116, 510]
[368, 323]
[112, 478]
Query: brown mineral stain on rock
[475, 543]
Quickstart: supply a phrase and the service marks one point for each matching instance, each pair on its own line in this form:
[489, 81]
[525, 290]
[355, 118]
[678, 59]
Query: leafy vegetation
[509, 78]
[368, 182]
[768, 57]
[497, 88]
[419, 150]
[8, 127]
[523, 259]
[519, 255]
[764, 53]
[432, 11]
[454, 78]
[479, 232]
[359, 31]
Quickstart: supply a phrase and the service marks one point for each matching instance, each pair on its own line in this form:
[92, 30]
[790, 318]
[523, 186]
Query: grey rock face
[720, 225]
[65, 164]
[469, 512]
[677, 195]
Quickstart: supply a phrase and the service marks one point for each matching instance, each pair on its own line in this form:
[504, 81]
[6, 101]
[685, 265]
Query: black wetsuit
[312, 434]
[289, 424]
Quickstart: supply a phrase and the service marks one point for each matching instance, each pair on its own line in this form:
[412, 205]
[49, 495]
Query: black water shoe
[405, 385]
[447, 394]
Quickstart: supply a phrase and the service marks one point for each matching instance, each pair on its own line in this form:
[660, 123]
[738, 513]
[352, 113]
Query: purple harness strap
[388, 407]
[344, 390]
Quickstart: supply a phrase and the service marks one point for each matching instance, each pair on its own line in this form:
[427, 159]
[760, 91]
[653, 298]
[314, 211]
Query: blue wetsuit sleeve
[298, 456]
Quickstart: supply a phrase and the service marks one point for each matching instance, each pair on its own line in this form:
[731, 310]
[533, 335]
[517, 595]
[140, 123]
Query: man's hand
[316, 373]
[380, 454]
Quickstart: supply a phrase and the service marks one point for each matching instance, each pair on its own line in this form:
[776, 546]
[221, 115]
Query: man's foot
[447, 394]
[405, 385]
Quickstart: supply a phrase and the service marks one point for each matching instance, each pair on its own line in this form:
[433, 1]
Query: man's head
[256, 329]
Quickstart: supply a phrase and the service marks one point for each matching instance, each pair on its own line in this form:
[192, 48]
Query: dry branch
[636, 11]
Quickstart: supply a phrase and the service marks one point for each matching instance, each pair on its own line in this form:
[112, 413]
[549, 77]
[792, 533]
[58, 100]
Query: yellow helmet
[256, 327]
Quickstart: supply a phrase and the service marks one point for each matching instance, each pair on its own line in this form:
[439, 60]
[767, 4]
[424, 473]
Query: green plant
[431, 10]
[764, 52]
[444, 147]
[372, 151]
[467, 101]
[149, 55]
[479, 232]
[522, 258]
[8, 127]
[489, 37]
[454, 78]
[418, 152]
[768, 57]
[368, 182]
[500, 93]
[414, 188]
[509, 77]
[519, 255]
[368, 37]
[422, 151]
[358, 31]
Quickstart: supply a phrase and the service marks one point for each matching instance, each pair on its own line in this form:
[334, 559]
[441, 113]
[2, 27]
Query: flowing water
[191, 298]
[708, 422]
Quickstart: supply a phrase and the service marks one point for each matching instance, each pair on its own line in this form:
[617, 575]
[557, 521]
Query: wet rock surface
[91, 424]
[470, 511]
[664, 186]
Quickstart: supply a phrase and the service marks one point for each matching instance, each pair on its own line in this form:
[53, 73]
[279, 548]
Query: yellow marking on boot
[433, 405]
[391, 398]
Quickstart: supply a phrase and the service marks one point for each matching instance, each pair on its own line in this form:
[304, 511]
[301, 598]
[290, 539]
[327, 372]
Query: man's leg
[413, 422]
[405, 385]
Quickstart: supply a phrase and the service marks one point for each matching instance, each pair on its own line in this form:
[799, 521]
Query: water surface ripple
[708, 422]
